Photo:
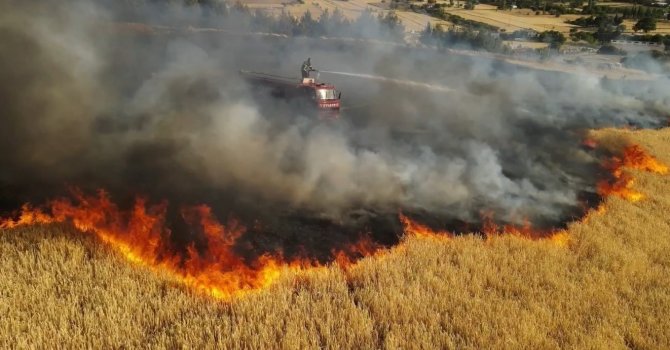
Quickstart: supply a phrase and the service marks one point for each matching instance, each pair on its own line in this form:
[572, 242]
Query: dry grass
[525, 44]
[662, 27]
[351, 9]
[609, 288]
[510, 21]
[515, 19]
[527, 19]
[520, 19]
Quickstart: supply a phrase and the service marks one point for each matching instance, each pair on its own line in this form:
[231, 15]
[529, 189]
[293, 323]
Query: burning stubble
[168, 117]
[212, 262]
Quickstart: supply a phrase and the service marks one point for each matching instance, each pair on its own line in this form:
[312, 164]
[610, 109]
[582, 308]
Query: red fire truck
[321, 97]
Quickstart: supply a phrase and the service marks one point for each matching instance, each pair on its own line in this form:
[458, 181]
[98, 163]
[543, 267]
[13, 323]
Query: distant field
[661, 27]
[415, 22]
[351, 9]
[609, 287]
[525, 44]
[508, 20]
[515, 20]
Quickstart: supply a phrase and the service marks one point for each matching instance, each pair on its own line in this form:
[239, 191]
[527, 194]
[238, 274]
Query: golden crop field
[351, 9]
[520, 19]
[662, 27]
[509, 21]
[515, 19]
[608, 287]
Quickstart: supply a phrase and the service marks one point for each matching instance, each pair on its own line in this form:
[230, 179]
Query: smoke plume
[94, 103]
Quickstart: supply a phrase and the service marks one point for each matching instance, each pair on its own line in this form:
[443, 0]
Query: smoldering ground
[91, 105]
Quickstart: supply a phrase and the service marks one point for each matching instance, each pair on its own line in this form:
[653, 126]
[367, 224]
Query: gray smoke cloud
[91, 103]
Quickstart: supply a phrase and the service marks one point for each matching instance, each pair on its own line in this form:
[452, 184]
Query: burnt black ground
[374, 117]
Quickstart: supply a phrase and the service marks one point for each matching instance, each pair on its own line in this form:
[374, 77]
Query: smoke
[393, 81]
[93, 103]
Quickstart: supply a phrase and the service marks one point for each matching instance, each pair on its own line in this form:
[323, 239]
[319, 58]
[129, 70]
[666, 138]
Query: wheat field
[522, 19]
[608, 288]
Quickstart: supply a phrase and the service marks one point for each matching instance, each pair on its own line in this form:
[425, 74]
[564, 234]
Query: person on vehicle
[306, 68]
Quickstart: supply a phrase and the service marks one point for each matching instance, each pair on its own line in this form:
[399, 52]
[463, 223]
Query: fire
[29, 216]
[142, 237]
[560, 239]
[633, 157]
[525, 230]
[364, 247]
[489, 228]
[415, 229]
[622, 187]
[211, 264]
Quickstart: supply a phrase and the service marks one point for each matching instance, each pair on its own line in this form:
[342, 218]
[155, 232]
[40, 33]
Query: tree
[260, 21]
[392, 24]
[308, 26]
[502, 4]
[645, 24]
[554, 38]
[426, 34]
[592, 5]
[335, 24]
[607, 27]
[285, 24]
[364, 21]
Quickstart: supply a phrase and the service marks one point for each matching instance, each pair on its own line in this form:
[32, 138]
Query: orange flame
[489, 228]
[415, 229]
[141, 236]
[29, 216]
[348, 256]
[213, 267]
[622, 187]
[525, 230]
[633, 157]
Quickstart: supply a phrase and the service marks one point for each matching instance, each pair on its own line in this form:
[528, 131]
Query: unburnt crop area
[153, 196]
[604, 283]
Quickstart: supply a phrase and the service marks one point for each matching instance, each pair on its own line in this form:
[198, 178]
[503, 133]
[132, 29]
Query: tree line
[222, 14]
[466, 37]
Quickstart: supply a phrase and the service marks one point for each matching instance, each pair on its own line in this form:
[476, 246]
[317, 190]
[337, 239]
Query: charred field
[152, 197]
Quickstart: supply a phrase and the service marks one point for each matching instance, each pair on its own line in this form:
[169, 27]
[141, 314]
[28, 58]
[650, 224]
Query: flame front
[213, 267]
[415, 229]
[489, 229]
[633, 157]
[142, 237]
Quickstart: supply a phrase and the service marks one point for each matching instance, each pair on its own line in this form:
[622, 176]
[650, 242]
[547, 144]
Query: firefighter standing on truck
[306, 68]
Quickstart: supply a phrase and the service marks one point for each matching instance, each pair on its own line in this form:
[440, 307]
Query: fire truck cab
[325, 95]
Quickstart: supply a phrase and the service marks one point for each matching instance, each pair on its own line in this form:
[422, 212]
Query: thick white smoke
[169, 116]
